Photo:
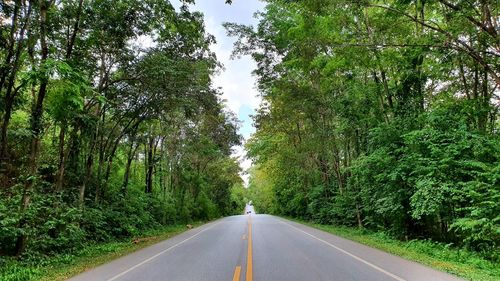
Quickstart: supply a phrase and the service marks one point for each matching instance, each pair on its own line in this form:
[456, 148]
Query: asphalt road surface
[261, 248]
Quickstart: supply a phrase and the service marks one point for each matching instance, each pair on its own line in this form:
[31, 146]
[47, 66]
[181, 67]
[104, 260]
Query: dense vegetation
[380, 115]
[110, 124]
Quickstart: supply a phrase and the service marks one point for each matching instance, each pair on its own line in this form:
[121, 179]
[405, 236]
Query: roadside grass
[64, 266]
[460, 262]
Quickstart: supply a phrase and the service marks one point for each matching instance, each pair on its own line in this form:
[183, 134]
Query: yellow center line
[237, 271]
[249, 251]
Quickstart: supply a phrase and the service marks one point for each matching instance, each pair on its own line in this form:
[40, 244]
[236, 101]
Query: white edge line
[347, 253]
[160, 253]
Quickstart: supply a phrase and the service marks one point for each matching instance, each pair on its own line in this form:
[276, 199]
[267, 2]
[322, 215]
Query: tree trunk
[358, 216]
[12, 74]
[150, 166]
[161, 171]
[5, 124]
[101, 155]
[131, 155]
[380, 97]
[71, 41]
[484, 104]
[386, 88]
[62, 158]
[36, 127]
[88, 167]
[4, 71]
[62, 133]
[99, 176]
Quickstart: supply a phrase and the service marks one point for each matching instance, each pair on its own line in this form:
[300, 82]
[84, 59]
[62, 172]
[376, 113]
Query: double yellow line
[237, 270]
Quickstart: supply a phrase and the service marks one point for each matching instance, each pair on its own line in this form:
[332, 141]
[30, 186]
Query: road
[261, 248]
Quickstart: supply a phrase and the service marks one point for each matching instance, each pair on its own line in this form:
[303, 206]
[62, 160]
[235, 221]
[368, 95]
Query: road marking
[249, 250]
[237, 271]
[160, 253]
[347, 253]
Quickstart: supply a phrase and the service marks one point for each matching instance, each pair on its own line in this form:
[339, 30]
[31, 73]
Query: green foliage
[64, 265]
[378, 115]
[239, 198]
[205, 208]
[104, 139]
[260, 192]
[19, 272]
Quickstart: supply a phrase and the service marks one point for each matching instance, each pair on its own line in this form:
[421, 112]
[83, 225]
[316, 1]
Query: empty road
[260, 248]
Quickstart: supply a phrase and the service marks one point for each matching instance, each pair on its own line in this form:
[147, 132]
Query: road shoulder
[62, 267]
[119, 266]
[464, 264]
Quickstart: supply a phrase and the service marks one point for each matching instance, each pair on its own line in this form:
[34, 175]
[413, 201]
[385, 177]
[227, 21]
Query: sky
[236, 80]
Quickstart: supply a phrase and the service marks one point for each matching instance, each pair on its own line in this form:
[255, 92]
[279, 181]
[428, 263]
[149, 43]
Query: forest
[381, 115]
[110, 124]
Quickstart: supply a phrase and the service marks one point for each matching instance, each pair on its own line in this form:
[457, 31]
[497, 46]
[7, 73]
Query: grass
[460, 262]
[64, 266]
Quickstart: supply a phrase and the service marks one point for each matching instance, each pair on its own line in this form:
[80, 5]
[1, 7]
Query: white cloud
[236, 81]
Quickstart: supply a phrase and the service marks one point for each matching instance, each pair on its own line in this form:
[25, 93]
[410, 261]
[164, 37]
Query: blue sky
[236, 81]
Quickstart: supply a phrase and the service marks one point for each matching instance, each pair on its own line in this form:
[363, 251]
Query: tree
[122, 137]
[378, 115]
